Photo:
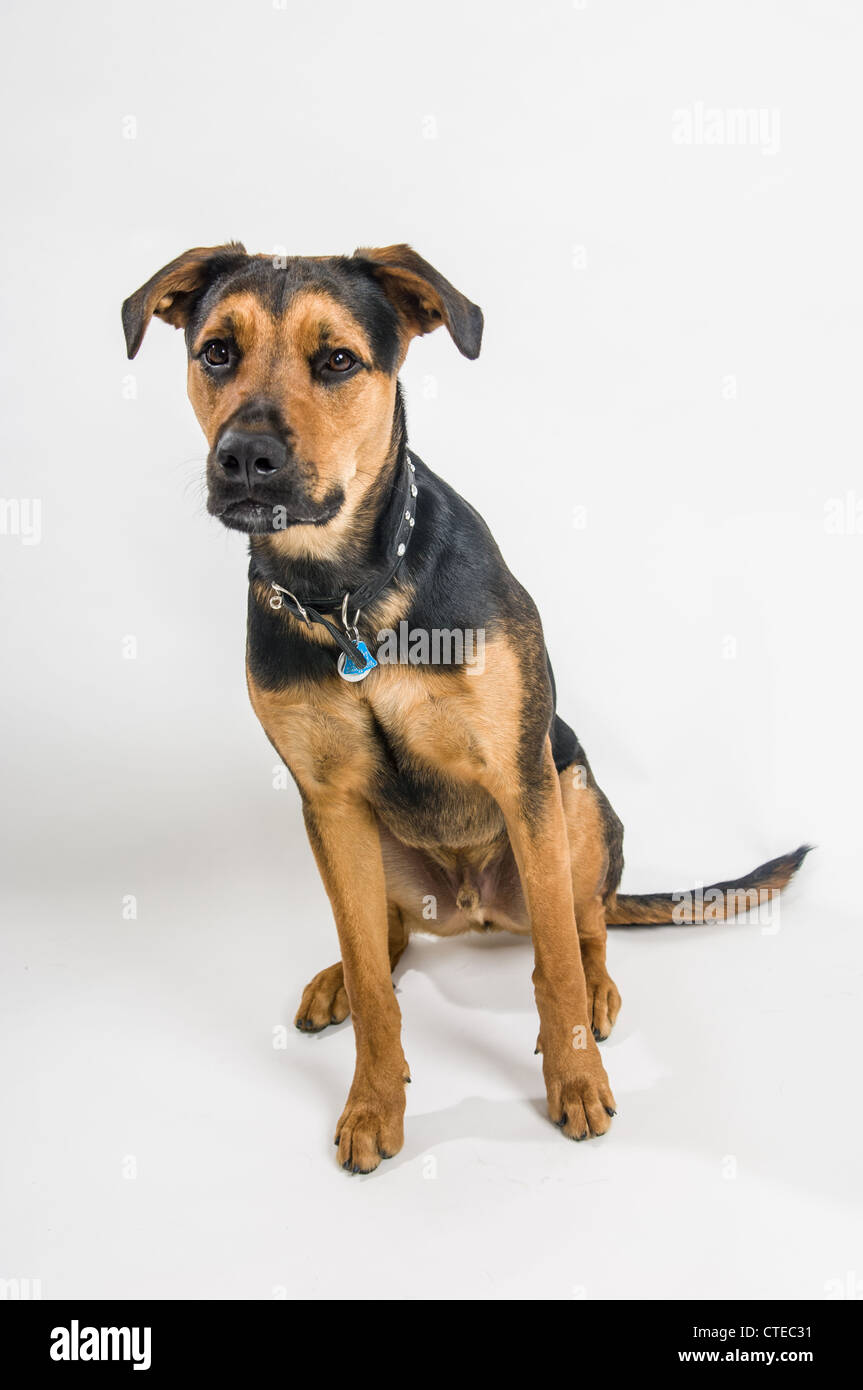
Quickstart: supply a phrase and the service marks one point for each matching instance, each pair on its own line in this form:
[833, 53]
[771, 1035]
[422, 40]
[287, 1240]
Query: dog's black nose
[247, 456]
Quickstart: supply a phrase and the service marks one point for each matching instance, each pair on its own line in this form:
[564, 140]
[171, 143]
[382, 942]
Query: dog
[438, 795]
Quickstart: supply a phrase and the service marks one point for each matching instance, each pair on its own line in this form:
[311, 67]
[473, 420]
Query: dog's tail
[716, 903]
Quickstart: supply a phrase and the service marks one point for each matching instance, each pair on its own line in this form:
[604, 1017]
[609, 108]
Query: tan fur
[588, 855]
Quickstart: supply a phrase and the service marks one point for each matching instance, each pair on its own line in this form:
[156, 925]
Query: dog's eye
[340, 361]
[217, 353]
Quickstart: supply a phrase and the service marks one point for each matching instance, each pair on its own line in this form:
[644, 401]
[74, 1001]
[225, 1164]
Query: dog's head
[292, 367]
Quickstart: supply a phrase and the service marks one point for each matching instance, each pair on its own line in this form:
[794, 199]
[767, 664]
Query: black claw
[609, 1111]
[305, 1025]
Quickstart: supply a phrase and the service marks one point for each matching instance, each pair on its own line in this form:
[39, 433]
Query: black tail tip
[798, 855]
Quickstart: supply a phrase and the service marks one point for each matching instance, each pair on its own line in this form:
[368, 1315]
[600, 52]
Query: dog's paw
[324, 1001]
[603, 1000]
[580, 1100]
[371, 1128]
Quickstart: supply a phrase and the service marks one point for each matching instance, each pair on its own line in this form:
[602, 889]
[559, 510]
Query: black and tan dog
[421, 782]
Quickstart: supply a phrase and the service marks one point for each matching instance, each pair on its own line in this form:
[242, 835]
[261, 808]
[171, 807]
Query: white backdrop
[658, 209]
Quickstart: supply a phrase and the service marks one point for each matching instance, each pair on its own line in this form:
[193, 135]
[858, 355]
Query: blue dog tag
[349, 671]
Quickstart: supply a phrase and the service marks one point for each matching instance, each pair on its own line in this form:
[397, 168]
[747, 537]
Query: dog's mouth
[257, 518]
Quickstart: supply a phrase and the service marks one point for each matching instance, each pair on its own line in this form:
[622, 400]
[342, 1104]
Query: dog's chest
[428, 751]
[408, 744]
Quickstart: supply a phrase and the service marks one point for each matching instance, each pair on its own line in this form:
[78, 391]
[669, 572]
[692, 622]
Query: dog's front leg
[579, 1096]
[344, 837]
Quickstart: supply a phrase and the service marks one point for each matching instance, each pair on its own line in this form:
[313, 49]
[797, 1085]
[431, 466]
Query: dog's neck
[333, 565]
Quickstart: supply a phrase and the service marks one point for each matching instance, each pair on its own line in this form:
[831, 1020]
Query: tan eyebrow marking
[242, 315]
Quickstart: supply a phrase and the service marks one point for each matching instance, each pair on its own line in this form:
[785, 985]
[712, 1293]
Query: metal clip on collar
[350, 628]
[276, 602]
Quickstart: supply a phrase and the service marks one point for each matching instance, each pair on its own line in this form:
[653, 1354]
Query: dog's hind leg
[325, 999]
[603, 996]
[595, 848]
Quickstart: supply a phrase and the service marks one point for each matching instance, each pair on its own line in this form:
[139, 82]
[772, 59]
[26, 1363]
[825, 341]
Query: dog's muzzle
[254, 485]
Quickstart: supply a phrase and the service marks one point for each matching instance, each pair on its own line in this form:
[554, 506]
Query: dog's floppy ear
[172, 291]
[422, 297]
